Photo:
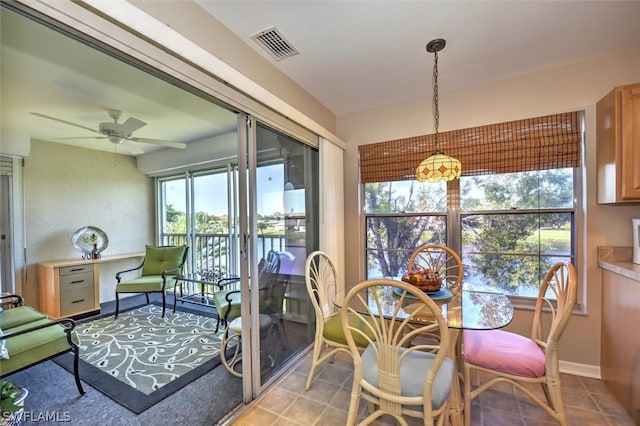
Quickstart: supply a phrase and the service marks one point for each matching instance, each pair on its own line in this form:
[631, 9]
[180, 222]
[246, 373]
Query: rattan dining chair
[321, 278]
[395, 379]
[508, 357]
[441, 259]
[447, 263]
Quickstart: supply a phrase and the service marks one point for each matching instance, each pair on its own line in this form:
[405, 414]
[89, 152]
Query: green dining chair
[158, 273]
[321, 277]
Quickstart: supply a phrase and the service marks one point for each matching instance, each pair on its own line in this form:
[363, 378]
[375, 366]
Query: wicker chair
[321, 279]
[439, 258]
[395, 379]
[521, 361]
[442, 259]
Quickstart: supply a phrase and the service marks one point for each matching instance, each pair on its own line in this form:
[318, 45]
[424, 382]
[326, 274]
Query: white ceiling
[356, 55]
[46, 72]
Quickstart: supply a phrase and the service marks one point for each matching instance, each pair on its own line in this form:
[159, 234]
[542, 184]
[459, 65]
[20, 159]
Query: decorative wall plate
[84, 239]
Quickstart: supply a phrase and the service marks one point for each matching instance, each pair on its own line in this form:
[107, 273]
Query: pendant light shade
[439, 166]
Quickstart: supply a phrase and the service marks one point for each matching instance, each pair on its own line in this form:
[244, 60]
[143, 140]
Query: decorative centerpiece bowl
[424, 279]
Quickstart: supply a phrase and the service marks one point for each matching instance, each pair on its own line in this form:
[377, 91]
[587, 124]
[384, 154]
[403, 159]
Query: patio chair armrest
[222, 282]
[167, 272]
[228, 296]
[229, 301]
[19, 301]
[67, 323]
[119, 274]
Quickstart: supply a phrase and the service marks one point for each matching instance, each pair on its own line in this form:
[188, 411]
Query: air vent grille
[274, 43]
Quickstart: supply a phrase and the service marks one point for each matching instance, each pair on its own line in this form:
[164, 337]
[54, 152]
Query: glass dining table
[465, 310]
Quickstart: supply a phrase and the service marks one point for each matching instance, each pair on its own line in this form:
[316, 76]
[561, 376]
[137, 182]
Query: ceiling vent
[274, 43]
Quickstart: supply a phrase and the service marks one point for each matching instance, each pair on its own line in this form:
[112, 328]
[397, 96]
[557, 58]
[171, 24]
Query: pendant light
[439, 166]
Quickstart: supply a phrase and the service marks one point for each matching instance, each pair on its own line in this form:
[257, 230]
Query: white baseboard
[583, 370]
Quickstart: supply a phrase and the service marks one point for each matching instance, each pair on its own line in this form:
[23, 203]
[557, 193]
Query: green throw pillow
[159, 259]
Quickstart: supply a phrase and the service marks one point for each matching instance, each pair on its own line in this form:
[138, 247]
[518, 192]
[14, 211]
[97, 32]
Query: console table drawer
[75, 281]
[76, 269]
[74, 301]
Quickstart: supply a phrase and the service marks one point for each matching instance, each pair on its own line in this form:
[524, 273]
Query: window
[511, 215]
[401, 216]
[514, 226]
[194, 210]
[198, 209]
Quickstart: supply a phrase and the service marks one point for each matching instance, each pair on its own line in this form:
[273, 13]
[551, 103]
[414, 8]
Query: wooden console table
[72, 287]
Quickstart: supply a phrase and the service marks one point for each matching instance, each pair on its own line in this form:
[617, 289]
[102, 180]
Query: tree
[392, 239]
[175, 220]
[172, 214]
[262, 227]
[509, 258]
[502, 248]
[204, 222]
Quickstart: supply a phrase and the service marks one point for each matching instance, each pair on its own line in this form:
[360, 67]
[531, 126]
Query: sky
[211, 192]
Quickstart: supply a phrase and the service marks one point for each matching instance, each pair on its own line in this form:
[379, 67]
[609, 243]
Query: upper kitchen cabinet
[618, 145]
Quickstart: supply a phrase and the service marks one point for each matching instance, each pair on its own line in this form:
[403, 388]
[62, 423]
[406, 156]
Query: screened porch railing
[211, 249]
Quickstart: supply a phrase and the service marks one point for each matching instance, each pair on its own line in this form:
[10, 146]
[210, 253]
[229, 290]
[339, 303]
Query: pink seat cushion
[503, 351]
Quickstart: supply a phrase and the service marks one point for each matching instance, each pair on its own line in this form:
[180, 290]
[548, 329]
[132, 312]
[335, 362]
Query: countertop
[618, 260]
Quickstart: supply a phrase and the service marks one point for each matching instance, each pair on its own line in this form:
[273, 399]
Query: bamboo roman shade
[540, 143]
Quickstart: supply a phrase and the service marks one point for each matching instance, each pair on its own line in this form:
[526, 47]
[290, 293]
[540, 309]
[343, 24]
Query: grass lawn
[556, 239]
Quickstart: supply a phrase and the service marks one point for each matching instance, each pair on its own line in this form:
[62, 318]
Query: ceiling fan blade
[82, 137]
[168, 144]
[65, 122]
[132, 124]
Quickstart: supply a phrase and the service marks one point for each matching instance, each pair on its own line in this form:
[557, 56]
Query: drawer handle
[77, 282]
[77, 269]
[78, 301]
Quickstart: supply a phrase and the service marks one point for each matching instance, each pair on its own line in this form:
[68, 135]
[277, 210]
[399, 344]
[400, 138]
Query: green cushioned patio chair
[158, 273]
[271, 295]
[227, 301]
[29, 337]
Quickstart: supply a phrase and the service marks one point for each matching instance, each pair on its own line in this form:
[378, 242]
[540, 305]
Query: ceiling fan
[117, 132]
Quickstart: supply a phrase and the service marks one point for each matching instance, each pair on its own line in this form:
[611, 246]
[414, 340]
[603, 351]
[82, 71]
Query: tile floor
[588, 402]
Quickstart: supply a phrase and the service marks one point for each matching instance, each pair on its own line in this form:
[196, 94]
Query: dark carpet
[135, 383]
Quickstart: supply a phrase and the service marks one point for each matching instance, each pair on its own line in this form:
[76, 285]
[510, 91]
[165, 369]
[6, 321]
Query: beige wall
[66, 188]
[575, 87]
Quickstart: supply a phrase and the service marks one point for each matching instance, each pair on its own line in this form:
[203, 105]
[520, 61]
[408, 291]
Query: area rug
[140, 358]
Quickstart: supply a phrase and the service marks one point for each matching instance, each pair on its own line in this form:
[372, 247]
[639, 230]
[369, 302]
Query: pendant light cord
[436, 112]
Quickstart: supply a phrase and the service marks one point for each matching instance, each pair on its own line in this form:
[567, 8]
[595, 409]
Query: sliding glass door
[236, 232]
[286, 231]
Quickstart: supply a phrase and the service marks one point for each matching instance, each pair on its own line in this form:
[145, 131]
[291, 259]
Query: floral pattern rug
[146, 351]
